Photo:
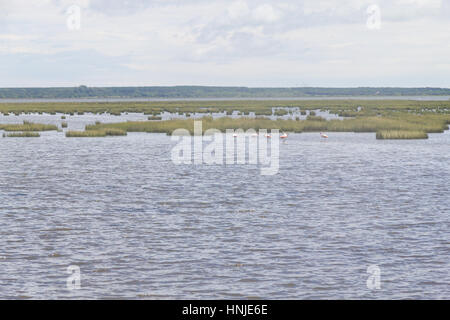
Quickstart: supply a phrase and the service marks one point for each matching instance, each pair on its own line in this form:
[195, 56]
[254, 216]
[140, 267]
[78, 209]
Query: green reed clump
[263, 112]
[401, 134]
[22, 135]
[115, 132]
[96, 133]
[348, 113]
[86, 134]
[64, 124]
[280, 112]
[154, 118]
[312, 113]
[315, 118]
[28, 126]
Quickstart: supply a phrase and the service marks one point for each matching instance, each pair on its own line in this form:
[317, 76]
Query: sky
[254, 43]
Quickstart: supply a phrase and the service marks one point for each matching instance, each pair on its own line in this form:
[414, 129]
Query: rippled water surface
[141, 227]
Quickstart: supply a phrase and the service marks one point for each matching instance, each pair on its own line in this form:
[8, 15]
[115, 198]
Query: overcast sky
[262, 43]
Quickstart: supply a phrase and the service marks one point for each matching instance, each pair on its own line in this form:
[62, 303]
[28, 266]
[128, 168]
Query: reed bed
[28, 126]
[259, 107]
[366, 115]
[399, 134]
[64, 124]
[281, 112]
[154, 118]
[22, 135]
[86, 134]
[115, 132]
[360, 124]
[315, 118]
[96, 133]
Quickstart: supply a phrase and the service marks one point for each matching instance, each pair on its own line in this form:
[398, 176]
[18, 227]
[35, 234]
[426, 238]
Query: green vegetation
[115, 132]
[22, 135]
[405, 122]
[85, 134]
[401, 134]
[209, 92]
[361, 115]
[96, 133]
[351, 108]
[315, 118]
[28, 126]
[280, 112]
[64, 124]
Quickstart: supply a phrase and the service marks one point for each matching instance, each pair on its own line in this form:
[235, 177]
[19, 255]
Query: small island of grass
[401, 134]
[22, 135]
[96, 133]
[28, 126]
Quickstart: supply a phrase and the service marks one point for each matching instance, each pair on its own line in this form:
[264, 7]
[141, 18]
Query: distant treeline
[209, 92]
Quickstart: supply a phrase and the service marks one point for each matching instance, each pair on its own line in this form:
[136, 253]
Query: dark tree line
[209, 92]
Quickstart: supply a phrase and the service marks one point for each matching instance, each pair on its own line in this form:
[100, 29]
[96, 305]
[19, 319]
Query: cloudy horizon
[286, 43]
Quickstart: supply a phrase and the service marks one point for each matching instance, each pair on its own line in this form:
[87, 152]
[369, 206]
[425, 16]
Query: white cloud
[266, 13]
[238, 9]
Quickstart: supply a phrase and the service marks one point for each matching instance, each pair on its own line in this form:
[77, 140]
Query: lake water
[140, 227]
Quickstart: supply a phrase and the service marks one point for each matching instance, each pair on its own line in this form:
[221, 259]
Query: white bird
[323, 135]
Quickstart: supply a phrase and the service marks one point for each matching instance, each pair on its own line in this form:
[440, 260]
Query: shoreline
[303, 98]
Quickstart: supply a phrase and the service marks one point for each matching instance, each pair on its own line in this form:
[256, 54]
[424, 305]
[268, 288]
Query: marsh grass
[280, 112]
[64, 124]
[154, 118]
[22, 135]
[399, 134]
[259, 107]
[315, 118]
[367, 115]
[28, 126]
[86, 134]
[115, 132]
[96, 133]
[359, 124]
